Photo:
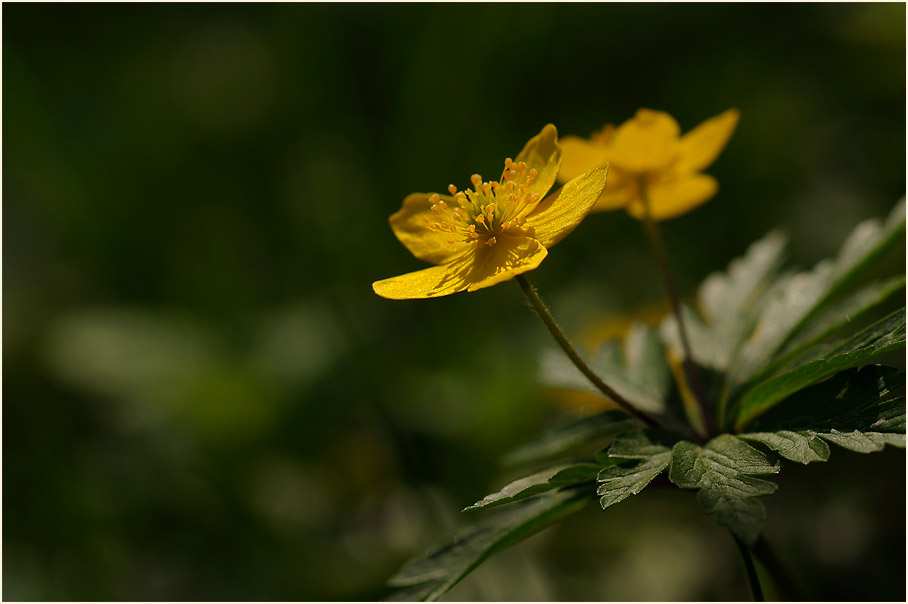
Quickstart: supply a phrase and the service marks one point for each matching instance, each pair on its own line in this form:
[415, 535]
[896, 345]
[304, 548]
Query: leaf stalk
[654, 234]
[549, 321]
[752, 577]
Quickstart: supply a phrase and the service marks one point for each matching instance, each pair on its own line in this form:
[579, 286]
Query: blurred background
[204, 400]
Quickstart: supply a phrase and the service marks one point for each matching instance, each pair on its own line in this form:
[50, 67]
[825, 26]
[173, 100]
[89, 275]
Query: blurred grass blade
[430, 576]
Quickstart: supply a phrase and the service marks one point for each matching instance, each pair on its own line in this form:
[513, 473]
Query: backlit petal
[701, 146]
[647, 142]
[480, 267]
[615, 197]
[543, 153]
[675, 197]
[410, 228]
[560, 212]
[431, 282]
[509, 257]
[579, 155]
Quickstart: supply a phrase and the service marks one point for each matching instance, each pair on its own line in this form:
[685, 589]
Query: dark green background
[202, 397]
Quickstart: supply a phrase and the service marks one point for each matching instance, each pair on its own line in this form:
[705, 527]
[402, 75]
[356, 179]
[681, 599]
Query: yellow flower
[648, 148]
[494, 231]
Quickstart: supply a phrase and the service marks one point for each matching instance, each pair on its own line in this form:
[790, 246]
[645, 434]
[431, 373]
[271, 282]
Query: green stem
[788, 589]
[751, 571]
[690, 368]
[549, 321]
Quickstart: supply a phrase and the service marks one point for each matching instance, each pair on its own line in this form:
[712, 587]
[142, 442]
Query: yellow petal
[509, 257]
[481, 266]
[647, 142]
[432, 282]
[410, 228]
[543, 153]
[579, 155]
[674, 197]
[616, 196]
[560, 212]
[701, 146]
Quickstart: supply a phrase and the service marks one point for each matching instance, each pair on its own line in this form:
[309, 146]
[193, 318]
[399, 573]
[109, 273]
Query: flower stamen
[491, 206]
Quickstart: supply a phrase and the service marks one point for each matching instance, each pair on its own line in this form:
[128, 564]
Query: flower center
[488, 209]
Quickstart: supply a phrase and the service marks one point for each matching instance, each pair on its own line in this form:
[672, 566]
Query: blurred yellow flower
[494, 231]
[649, 149]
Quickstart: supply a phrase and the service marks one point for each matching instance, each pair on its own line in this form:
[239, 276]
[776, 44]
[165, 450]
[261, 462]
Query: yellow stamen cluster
[488, 209]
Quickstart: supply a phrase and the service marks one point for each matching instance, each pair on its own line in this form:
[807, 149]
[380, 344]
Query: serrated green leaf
[881, 425]
[885, 335]
[724, 472]
[730, 303]
[621, 481]
[850, 410]
[804, 446]
[641, 444]
[744, 516]
[707, 347]
[725, 296]
[798, 299]
[644, 361]
[648, 459]
[570, 436]
[838, 316]
[430, 576]
[867, 242]
[635, 368]
[540, 482]
[729, 299]
[883, 417]
[865, 442]
[851, 399]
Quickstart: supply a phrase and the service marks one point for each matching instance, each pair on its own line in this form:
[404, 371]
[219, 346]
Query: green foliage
[883, 336]
[236, 165]
[647, 460]
[432, 575]
[570, 436]
[724, 472]
[804, 446]
[730, 302]
[761, 344]
[796, 299]
[635, 368]
[553, 478]
[840, 315]
[851, 410]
